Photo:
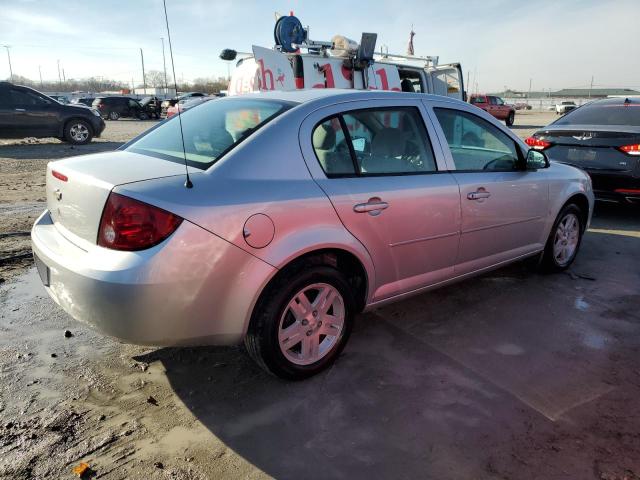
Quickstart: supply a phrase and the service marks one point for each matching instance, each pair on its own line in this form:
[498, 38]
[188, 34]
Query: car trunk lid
[593, 147]
[77, 188]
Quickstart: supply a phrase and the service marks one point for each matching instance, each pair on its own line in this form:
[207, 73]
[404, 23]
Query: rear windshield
[210, 130]
[604, 114]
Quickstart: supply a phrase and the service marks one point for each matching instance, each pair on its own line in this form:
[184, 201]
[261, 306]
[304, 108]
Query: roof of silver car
[310, 95]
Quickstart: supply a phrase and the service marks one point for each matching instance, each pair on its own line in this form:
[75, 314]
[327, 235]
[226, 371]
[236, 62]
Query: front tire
[78, 132]
[510, 119]
[302, 322]
[114, 116]
[564, 240]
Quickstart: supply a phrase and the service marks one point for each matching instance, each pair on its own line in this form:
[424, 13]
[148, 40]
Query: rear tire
[113, 116]
[78, 132]
[510, 119]
[564, 240]
[297, 346]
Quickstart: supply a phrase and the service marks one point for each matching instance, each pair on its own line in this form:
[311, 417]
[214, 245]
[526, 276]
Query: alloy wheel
[79, 132]
[565, 241]
[311, 324]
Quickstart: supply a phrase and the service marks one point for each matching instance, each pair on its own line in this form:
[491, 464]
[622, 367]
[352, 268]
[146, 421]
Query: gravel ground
[22, 180]
[462, 382]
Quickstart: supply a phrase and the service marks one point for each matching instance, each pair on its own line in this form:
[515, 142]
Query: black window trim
[521, 163]
[354, 159]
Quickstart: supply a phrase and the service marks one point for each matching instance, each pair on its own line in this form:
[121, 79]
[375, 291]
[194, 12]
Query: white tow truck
[339, 63]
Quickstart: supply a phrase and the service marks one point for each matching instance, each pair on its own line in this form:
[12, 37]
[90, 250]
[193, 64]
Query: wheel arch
[582, 202]
[342, 259]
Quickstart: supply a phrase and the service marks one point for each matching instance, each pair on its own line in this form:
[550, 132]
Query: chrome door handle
[20, 110]
[478, 195]
[373, 207]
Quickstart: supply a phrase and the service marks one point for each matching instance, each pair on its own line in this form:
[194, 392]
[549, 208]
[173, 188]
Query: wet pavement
[512, 375]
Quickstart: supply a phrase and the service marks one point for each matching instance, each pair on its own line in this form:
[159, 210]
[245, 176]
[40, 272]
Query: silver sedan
[306, 208]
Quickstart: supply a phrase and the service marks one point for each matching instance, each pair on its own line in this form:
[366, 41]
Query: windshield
[603, 114]
[209, 131]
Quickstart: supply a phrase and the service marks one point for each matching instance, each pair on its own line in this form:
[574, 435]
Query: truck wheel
[114, 115]
[143, 116]
[302, 322]
[510, 118]
[78, 132]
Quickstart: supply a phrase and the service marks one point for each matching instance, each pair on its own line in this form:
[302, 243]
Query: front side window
[475, 144]
[378, 142]
[209, 131]
[133, 104]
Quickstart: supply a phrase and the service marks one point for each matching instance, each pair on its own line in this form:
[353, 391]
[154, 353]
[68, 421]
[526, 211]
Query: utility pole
[64, 77]
[40, 72]
[59, 76]
[144, 77]
[9, 58]
[529, 94]
[164, 63]
[591, 87]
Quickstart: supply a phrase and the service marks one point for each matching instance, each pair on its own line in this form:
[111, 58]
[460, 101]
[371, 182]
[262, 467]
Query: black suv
[25, 112]
[114, 108]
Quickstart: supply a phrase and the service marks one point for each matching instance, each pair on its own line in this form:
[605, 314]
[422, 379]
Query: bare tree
[155, 79]
[92, 84]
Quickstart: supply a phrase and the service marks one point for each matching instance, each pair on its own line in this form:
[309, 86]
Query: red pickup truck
[495, 106]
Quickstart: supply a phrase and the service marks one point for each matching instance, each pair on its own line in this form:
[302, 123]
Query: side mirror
[536, 159]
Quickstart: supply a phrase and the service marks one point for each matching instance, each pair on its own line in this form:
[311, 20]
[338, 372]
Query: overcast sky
[499, 42]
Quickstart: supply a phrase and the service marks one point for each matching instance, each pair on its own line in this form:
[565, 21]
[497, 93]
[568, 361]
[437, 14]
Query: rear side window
[210, 131]
[478, 100]
[387, 141]
[475, 144]
[603, 114]
[332, 149]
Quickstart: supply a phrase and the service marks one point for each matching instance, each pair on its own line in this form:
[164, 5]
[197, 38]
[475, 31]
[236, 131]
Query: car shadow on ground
[53, 150]
[476, 380]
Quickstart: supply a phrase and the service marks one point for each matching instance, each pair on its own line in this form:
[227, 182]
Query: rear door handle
[373, 207]
[478, 195]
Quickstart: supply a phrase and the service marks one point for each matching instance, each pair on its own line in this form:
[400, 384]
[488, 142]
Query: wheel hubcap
[311, 324]
[79, 132]
[565, 241]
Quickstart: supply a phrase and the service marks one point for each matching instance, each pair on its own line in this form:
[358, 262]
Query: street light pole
[9, 58]
[40, 72]
[144, 77]
[59, 76]
[164, 63]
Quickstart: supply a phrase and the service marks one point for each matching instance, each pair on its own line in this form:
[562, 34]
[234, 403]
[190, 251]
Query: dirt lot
[511, 375]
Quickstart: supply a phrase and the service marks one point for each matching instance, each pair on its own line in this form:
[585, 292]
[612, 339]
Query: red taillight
[101, 105]
[630, 149]
[59, 176]
[129, 224]
[537, 143]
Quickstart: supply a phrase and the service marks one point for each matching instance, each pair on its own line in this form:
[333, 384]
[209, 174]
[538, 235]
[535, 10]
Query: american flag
[410, 51]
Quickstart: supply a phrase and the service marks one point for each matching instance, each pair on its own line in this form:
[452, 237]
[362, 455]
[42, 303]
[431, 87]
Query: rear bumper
[615, 187]
[192, 289]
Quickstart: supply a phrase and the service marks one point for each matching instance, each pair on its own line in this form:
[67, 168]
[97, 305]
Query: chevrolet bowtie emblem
[58, 194]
